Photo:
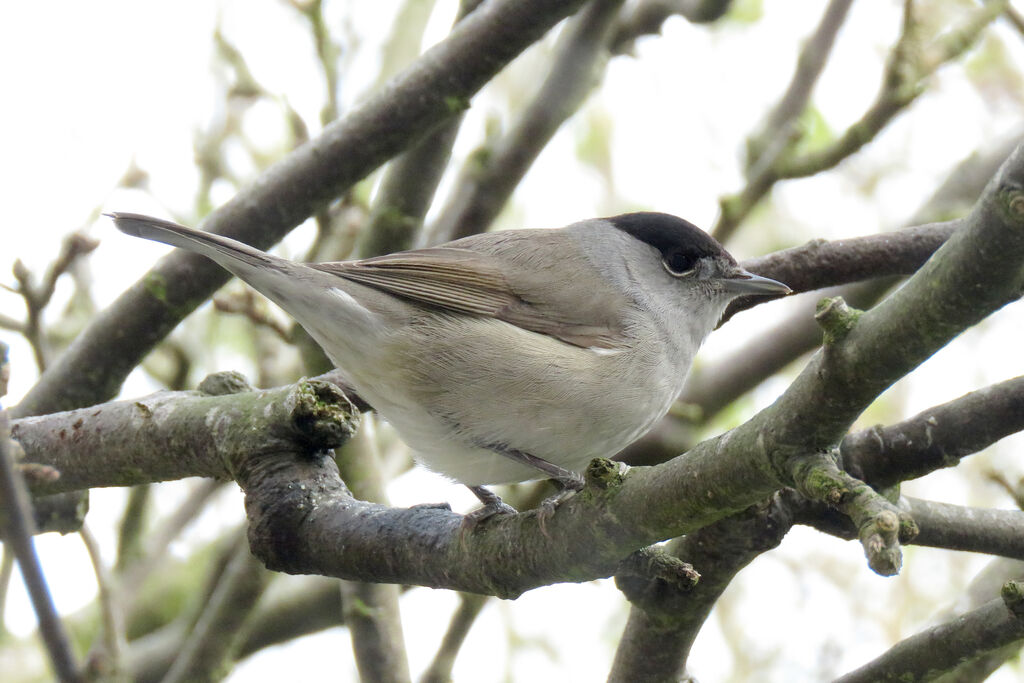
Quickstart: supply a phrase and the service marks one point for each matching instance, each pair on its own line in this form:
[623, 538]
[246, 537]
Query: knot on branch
[224, 383]
[881, 525]
[312, 418]
[1014, 202]
[1012, 594]
[836, 318]
[321, 414]
[650, 577]
[603, 473]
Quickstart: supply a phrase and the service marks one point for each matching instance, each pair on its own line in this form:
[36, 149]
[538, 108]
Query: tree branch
[976, 530]
[204, 432]
[820, 263]
[940, 525]
[881, 526]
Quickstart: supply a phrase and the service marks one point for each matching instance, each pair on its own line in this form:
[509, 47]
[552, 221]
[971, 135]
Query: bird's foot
[493, 505]
[571, 484]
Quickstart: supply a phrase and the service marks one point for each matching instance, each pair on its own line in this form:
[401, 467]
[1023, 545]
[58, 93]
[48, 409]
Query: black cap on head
[679, 241]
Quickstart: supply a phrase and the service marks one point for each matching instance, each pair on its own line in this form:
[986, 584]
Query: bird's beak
[744, 282]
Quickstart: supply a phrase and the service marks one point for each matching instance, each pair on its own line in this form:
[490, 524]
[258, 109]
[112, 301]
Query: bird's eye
[677, 263]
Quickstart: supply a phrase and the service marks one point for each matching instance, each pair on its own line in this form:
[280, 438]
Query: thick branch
[435, 87]
[172, 435]
[299, 529]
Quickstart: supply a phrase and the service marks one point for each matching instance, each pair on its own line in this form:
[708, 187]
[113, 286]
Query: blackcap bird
[511, 355]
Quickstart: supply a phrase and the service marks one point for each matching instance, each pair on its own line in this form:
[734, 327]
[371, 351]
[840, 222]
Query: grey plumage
[564, 344]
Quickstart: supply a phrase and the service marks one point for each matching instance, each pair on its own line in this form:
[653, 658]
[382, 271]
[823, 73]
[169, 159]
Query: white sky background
[88, 87]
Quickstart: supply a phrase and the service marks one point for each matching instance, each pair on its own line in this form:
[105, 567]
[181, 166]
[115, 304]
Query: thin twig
[909, 65]
[38, 296]
[440, 669]
[254, 308]
[160, 539]
[133, 524]
[106, 654]
[217, 635]
[1015, 18]
[6, 572]
[779, 132]
[371, 609]
[906, 75]
[327, 52]
[19, 529]
[488, 178]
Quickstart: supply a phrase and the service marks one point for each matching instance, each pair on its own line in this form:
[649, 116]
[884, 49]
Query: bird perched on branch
[507, 356]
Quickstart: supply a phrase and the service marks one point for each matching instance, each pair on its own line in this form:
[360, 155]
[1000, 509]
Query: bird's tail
[304, 292]
[229, 253]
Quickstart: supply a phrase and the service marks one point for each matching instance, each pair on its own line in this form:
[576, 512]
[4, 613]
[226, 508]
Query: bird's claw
[490, 509]
[570, 486]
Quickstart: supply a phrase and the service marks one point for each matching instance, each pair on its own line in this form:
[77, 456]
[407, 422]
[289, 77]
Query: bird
[511, 355]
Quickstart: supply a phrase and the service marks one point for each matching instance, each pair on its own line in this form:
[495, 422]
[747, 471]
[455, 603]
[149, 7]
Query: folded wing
[491, 276]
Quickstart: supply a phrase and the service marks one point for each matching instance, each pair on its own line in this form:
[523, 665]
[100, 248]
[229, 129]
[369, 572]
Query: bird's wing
[477, 278]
